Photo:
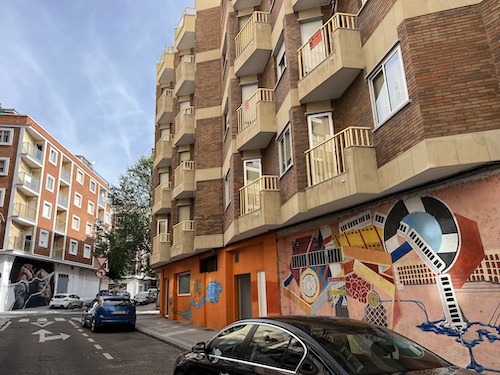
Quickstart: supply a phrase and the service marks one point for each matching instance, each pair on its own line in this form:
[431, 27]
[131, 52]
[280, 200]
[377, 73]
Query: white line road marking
[24, 320]
[42, 324]
[5, 326]
[59, 319]
[85, 335]
[107, 355]
[98, 347]
[91, 340]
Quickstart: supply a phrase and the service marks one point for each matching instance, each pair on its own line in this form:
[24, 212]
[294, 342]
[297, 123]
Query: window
[5, 137]
[388, 87]
[47, 210]
[49, 184]
[73, 247]
[78, 200]
[227, 343]
[92, 186]
[75, 223]
[2, 196]
[53, 156]
[4, 166]
[227, 188]
[285, 150]
[79, 176]
[208, 264]
[274, 347]
[43, 240]
[320, 127]
[280, 59]
[184, 284]
[227, 124]
[87, 251]
[90, 207]
[88, 229]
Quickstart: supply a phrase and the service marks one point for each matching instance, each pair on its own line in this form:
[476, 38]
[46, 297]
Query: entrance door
[252, 171]
[62, 283]
[323, 165]
[244, 296]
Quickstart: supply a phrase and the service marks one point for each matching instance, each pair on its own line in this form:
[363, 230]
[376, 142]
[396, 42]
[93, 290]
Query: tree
[129, 239]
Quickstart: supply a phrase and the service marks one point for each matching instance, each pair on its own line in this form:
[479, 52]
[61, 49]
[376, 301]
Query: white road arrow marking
[42, 324]
[44, 335]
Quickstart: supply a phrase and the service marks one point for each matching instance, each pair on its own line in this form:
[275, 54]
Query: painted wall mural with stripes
[427, 266]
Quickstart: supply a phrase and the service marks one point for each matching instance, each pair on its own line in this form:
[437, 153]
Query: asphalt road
[52, 344]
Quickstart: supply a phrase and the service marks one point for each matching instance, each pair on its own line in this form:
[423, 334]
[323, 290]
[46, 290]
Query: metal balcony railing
[247, 112]
[63, 200]
[245, 36]
[18, 243]
[250, 194]
[28, 181]
[23, 211]
[327, 159]
[65, 175]
[320, 45]
[60, 225]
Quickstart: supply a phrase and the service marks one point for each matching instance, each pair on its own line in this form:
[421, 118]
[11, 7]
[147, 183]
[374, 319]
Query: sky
[85, 70]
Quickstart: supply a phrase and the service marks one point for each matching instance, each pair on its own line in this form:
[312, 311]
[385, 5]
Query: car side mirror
[199, 348]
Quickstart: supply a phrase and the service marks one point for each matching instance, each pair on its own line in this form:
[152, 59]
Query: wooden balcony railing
[320, 45]
[247, 112]
[250, 194]
[327, 159]
[245, 36]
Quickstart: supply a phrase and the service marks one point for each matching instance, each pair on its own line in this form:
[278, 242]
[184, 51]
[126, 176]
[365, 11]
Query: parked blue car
[109, 310]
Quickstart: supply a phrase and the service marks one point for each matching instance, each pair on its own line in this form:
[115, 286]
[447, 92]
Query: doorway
[166, 288]
[244, 296]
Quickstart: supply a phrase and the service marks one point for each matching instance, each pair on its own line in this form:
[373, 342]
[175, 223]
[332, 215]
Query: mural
[214, 289]
[417, 267]
[31, 283]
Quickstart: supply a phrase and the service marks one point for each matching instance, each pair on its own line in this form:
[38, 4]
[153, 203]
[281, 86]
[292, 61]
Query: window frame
[47, 206]
[90, 204]
[77, 200]
[53, 155]
[75, 219]
[92, 186]
[183, 293]
[5, 170]
[47, 185]
[281, 140]
[44, 234]
[87, 251]
[87, 232]
[381, 69]
[280, 56]
[2, 196]
[227, 189]
[9, 137]
[79, 172]
[73, 244]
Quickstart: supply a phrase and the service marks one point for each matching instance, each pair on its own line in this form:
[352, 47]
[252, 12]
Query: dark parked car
[310, 345]
[109, 310]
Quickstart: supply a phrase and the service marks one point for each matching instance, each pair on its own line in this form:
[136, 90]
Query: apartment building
[332, 158]
[50, 200]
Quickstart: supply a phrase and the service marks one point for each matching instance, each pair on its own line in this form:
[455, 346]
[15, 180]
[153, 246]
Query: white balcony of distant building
[184, 76]
[330, 60]
[28, 184]
[253, 45]
[32, 155]
[184, 180]
[63, 200]
[183, 238]
[256, 121]
[24, 214]
[162, 199]
[20, 244]
[163, 152]
[184, 127]
[165, 107]
[184, 33]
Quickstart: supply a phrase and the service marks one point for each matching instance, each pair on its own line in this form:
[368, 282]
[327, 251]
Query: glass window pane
[381, 99]
[229, 341]
[395, 82]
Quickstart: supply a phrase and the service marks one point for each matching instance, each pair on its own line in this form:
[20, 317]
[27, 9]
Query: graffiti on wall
[370, 266]
[31, 283]
[213, 291]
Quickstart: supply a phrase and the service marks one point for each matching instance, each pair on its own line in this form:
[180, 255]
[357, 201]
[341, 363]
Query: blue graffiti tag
[214, 289]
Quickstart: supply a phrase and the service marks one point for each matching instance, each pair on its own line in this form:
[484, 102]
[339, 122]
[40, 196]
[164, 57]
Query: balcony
[253, 45]
[23, 213]
[32, 155]
[256, 121]
[66, 176]
[60, 226]
[63, 200]
[163, 152]
[165, 107]
[184, 37]
[28, 184]
[299, 5]
[330, 61]
[184, 180]
[161, 253]
[165, 68]
[260, 205]
[57, 252]
[243, 4]
[183, 238]
[18, 243]
[341, 171]
[184, 127]
[184, 76]
[162, 199]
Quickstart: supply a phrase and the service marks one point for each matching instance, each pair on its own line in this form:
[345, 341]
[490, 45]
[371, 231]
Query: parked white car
[65, 300]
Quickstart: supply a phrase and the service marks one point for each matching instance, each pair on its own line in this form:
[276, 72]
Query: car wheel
[51, 307]
[93, 325]
[131, 327]
[83, 323]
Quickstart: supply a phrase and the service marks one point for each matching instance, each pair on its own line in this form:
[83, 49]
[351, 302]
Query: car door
[223, 354]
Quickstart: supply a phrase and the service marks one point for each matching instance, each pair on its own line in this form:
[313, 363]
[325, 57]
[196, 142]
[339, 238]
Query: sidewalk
[181, 334]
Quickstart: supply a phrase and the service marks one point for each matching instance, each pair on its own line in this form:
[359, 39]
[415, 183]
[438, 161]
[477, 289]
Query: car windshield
[371, 350]
[118, 302]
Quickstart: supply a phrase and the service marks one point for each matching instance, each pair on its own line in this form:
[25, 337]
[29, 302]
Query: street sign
[100, 273]
[101, 261]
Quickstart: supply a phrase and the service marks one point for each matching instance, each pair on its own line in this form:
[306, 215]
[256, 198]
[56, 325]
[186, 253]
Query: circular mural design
[309, 285]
